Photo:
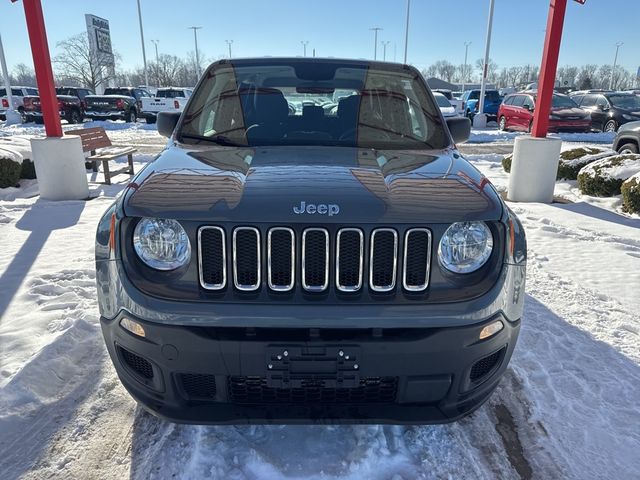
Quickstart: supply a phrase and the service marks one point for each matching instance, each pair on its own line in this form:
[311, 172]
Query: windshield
[442, 100]
[66, 91]
[118, 91]
[313, 103]
[626, 102]
[170, 94]
[562, 101]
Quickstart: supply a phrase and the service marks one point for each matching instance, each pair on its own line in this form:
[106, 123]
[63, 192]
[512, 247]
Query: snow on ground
[490, 164]
[567, 408]
[490, 135]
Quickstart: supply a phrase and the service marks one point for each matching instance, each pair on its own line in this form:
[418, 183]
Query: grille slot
[383, 260]
[485, 365]
[254, 390]
[198, 385]
[417, 259]
[138, 364]
[212, 258]
[349, 259]
[246, 258]
[281, 249]
[315, 259]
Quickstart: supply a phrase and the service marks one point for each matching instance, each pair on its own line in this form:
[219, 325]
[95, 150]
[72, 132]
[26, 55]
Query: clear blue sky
[339, 28]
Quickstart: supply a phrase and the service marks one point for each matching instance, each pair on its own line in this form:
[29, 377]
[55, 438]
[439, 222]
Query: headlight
[465, 247]
[161, 244]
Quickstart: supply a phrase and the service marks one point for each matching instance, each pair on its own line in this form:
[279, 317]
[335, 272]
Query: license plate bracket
[300, 366]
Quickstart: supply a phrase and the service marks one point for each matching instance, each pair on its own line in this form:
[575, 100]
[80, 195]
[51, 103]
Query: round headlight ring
[161, 244]
[465, 247]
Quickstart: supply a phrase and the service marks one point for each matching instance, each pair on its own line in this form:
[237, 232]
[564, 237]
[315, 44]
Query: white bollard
[533, 169]
[60, 170]
[12, 117]
[480, 120]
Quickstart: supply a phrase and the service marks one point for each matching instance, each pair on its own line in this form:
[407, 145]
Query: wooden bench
[96, 141]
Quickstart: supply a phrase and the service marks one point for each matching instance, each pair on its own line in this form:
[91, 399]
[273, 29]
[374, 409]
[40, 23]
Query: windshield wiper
[217, 139]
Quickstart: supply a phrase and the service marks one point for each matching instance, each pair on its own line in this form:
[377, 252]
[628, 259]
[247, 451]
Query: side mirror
[167, 122]
[460, 129]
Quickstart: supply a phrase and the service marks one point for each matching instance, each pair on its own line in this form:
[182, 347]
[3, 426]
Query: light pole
[195, 40]
[144, 51]
[464, 72]
[384, 49]
[615, 63]
[304, 47]
[12, 117]
[155, 43]
[481, 118]
[375, 41]
[229, 42]
[406, 31]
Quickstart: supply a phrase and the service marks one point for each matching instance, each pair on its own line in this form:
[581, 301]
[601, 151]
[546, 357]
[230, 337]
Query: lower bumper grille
[484, 366]
[136, 363]
[198, 386]
[254, 390]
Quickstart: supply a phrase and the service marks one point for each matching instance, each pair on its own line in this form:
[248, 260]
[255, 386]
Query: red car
[516, 113]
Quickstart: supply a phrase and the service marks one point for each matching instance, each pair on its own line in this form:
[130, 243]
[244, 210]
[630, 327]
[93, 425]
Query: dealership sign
[100, 39]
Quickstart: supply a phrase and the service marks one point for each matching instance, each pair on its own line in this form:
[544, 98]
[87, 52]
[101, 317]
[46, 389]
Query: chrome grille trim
[314, 288]
[358, 286]
[273, 286]
[256, 286]
[405, 284]
[383, 288]
[203, 284]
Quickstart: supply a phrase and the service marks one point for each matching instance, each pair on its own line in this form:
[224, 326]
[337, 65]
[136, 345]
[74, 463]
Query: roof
[321, 61]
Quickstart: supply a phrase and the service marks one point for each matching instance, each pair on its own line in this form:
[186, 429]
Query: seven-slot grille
[315, 258]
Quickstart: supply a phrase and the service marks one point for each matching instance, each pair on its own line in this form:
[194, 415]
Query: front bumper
[218, 375]
[580, 126]
[112, 115]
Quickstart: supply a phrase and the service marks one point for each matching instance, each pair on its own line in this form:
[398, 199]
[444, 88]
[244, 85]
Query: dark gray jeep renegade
[310, 247]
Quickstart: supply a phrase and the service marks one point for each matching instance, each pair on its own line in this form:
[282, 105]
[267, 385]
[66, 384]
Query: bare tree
[492, 69]
[78, 62]
[168, 70]
[23, 75]
[513, 75]
[586, 76]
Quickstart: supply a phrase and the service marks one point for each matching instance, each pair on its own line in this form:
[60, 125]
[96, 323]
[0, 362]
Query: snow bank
[495, 135]
[618, 167]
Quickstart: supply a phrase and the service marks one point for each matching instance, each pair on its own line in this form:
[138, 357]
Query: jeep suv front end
[337, 263]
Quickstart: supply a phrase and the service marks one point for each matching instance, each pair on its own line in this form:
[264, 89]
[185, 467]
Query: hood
[312, 185]
[569, 112]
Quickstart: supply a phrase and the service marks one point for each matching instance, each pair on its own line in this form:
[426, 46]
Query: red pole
[42, 64]
[547, 82]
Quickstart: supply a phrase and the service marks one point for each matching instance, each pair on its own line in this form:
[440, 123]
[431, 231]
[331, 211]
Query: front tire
[611, 126]
[628, 148]
[75, 117]
[131, 116]
[502, 124]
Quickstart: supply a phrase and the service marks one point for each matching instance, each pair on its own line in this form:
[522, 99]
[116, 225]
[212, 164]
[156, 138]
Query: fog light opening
[491, 329]
[133, 327]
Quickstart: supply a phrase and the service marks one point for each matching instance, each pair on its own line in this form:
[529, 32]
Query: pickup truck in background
[455, 102]
[169, 99]
[122, 103]
[17, 95]
[69, 106]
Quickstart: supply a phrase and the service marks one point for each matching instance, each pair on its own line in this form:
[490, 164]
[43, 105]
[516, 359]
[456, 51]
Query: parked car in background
[17, 95]
[628, 138]
[69, 106]
[168, 99]
[455, 102]
[122, 103]
[609, 110]
[79, 92]
[492, 100]
[445, 106]
[516, 113]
